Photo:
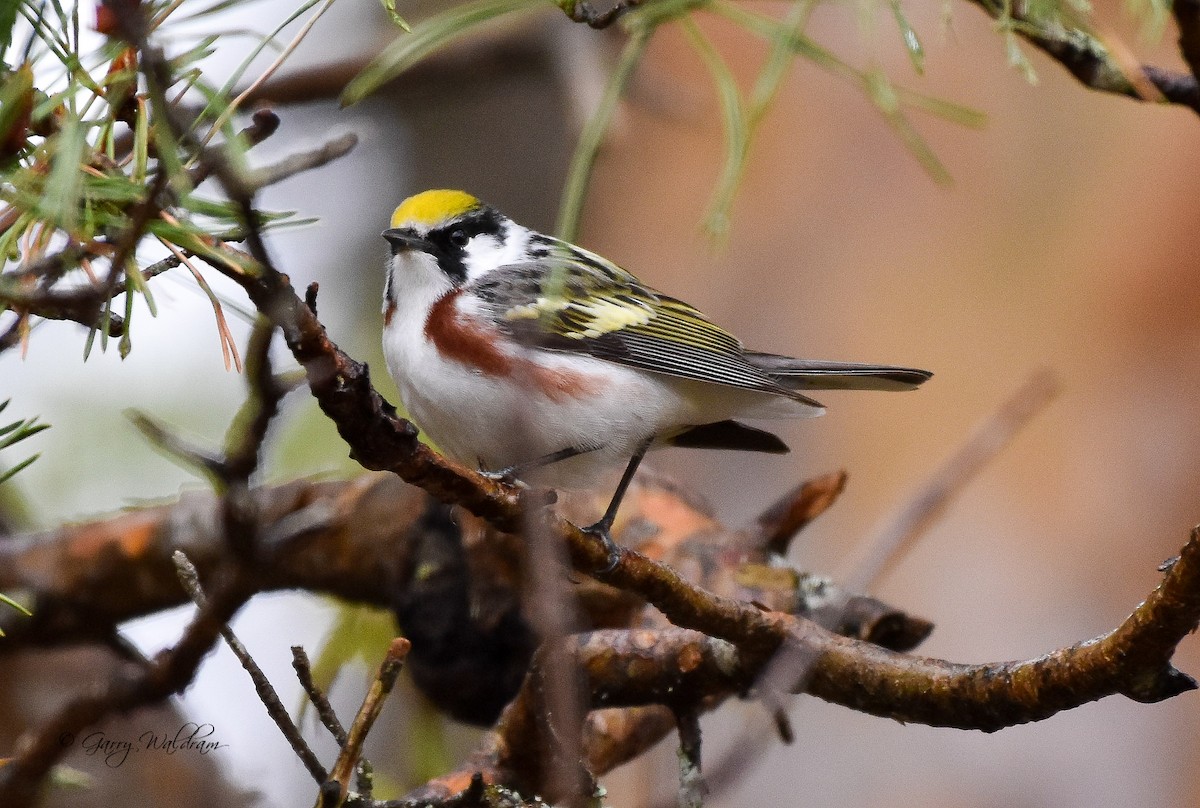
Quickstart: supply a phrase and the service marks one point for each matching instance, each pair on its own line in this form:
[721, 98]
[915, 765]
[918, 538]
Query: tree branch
[358, 540]
[1089, 61]
[637, 668]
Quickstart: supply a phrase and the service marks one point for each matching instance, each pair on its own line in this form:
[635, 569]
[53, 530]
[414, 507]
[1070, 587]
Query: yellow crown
[429, 208]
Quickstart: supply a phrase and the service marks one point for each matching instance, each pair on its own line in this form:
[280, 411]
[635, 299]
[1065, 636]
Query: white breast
[544, 403]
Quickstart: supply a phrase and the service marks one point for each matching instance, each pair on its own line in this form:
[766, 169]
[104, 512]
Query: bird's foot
[601, 531]
[506, 475]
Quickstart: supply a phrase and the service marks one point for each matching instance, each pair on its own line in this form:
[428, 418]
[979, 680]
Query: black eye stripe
[484, 221]
[454, 268]
[449, 242]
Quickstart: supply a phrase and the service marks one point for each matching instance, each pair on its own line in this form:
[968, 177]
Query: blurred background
[1067, 240]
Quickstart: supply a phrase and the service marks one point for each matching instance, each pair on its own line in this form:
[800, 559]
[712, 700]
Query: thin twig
[791, 513]
[175, 446]
[324, 709]
[301, 162]
[367, 713]
[262, 686]
[554, 614]
[691, 782]
[248, 432]
[263, 123]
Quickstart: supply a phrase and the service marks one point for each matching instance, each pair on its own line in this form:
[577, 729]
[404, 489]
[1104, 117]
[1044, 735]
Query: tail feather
[729, 435]
[812, 374]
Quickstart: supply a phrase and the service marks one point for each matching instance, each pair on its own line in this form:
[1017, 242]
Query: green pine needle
[912, 43]
[582, 162]
[15, 432]
[736, 127]
[427, 37]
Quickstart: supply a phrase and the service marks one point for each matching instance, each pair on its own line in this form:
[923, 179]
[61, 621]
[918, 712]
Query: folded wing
[575, 301]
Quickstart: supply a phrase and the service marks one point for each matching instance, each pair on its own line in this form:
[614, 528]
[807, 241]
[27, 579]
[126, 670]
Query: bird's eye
[459, 238]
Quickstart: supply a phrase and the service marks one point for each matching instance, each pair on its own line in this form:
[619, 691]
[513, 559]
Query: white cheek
[485, 252]
[481, 254]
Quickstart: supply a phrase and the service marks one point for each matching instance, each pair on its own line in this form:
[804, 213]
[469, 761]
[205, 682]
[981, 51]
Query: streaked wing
[572, 300]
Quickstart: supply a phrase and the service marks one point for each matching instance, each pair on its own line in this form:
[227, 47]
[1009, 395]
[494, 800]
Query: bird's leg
[513, 473]
[601, 529]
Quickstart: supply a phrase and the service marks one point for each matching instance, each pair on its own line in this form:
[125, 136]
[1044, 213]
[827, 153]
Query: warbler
[536, 359]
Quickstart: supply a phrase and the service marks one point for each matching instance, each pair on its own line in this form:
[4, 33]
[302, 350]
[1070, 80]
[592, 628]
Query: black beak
[406, 240]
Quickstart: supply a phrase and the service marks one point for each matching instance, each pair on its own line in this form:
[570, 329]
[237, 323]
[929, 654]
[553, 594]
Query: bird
[539, 361]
